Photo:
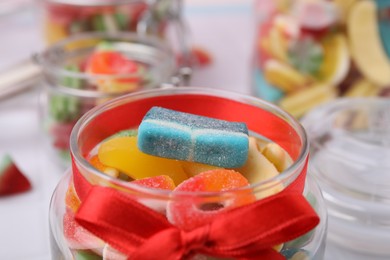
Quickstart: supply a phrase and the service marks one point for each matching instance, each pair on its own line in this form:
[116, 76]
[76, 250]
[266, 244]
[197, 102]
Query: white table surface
[224, 28]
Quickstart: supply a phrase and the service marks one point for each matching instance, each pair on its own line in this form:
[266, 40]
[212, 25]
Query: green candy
[122, 20]
[86, 255]
[64, 108]
[98, 23]
[305, 55]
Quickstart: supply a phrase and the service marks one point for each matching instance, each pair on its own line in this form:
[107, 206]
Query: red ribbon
[246, 232]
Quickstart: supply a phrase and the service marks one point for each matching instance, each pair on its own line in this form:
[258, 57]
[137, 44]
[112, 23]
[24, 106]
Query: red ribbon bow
[247, 232]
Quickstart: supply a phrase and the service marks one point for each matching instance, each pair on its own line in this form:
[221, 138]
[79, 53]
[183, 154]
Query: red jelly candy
[79, 238]
[111, 63]
[193, 212]
[12, 180]
[201, 56]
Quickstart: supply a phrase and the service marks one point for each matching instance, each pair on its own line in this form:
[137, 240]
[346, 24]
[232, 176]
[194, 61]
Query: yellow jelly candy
[122, 153]
[194, 168]
[54, 32]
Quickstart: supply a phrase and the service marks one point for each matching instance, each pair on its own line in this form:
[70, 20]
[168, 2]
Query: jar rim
[297, 165]
[157, 52]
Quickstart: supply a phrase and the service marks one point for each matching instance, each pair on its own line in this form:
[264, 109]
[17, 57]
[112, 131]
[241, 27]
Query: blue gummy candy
[182, 136]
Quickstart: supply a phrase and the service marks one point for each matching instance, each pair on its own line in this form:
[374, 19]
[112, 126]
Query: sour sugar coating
[192, 212]
[158, 182]
[77, 237]
[182, 136]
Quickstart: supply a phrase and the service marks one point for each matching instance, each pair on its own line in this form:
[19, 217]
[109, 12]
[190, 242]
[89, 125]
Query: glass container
[88, 69]
[62, 18]
[350, 152]
[310, 52]
[71, 238]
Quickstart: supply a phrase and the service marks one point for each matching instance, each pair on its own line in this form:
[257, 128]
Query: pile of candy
[66, 17]
[310, 52]
[179, 152]
[104, 71]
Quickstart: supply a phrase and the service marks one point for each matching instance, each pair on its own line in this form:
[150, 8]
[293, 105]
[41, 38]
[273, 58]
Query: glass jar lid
[350, 158]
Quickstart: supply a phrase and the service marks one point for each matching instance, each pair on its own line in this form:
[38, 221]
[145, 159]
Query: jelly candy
[79, 238]
[336, 62]
[315, 15]
[110, 253]
[278, 156]
[191, 213]
[201, 56]
[65, 108]
[257, 168]
[86, 255]
[172, 134]
[122, 153]
[158, 182]
[362, 23]
[302, 101]
[305, 55]
[94, 160]
[283, 76]
[193, 168]
[72, 201]
[12, 180]
[111, 62]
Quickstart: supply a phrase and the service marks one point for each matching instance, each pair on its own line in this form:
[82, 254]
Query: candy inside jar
[148, 173]
[89, 69]
[310, 52]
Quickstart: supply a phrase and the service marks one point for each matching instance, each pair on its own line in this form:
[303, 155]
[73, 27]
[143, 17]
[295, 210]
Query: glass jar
[70, 238]
[350, 152]
[77, 77]
[62, 18]
[310, 52]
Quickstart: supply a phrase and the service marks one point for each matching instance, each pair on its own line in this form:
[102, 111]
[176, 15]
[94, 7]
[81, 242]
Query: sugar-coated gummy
[182, 136]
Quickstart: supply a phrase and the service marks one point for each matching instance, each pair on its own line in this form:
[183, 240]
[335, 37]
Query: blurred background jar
[308, 52]
[88, 69]
[350, 159]
[63, 18]
[160, 18]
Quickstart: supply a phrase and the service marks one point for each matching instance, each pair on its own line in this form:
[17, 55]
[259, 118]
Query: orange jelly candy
[72, 201]
[95, 162]
[122, 153]
[159, 182]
